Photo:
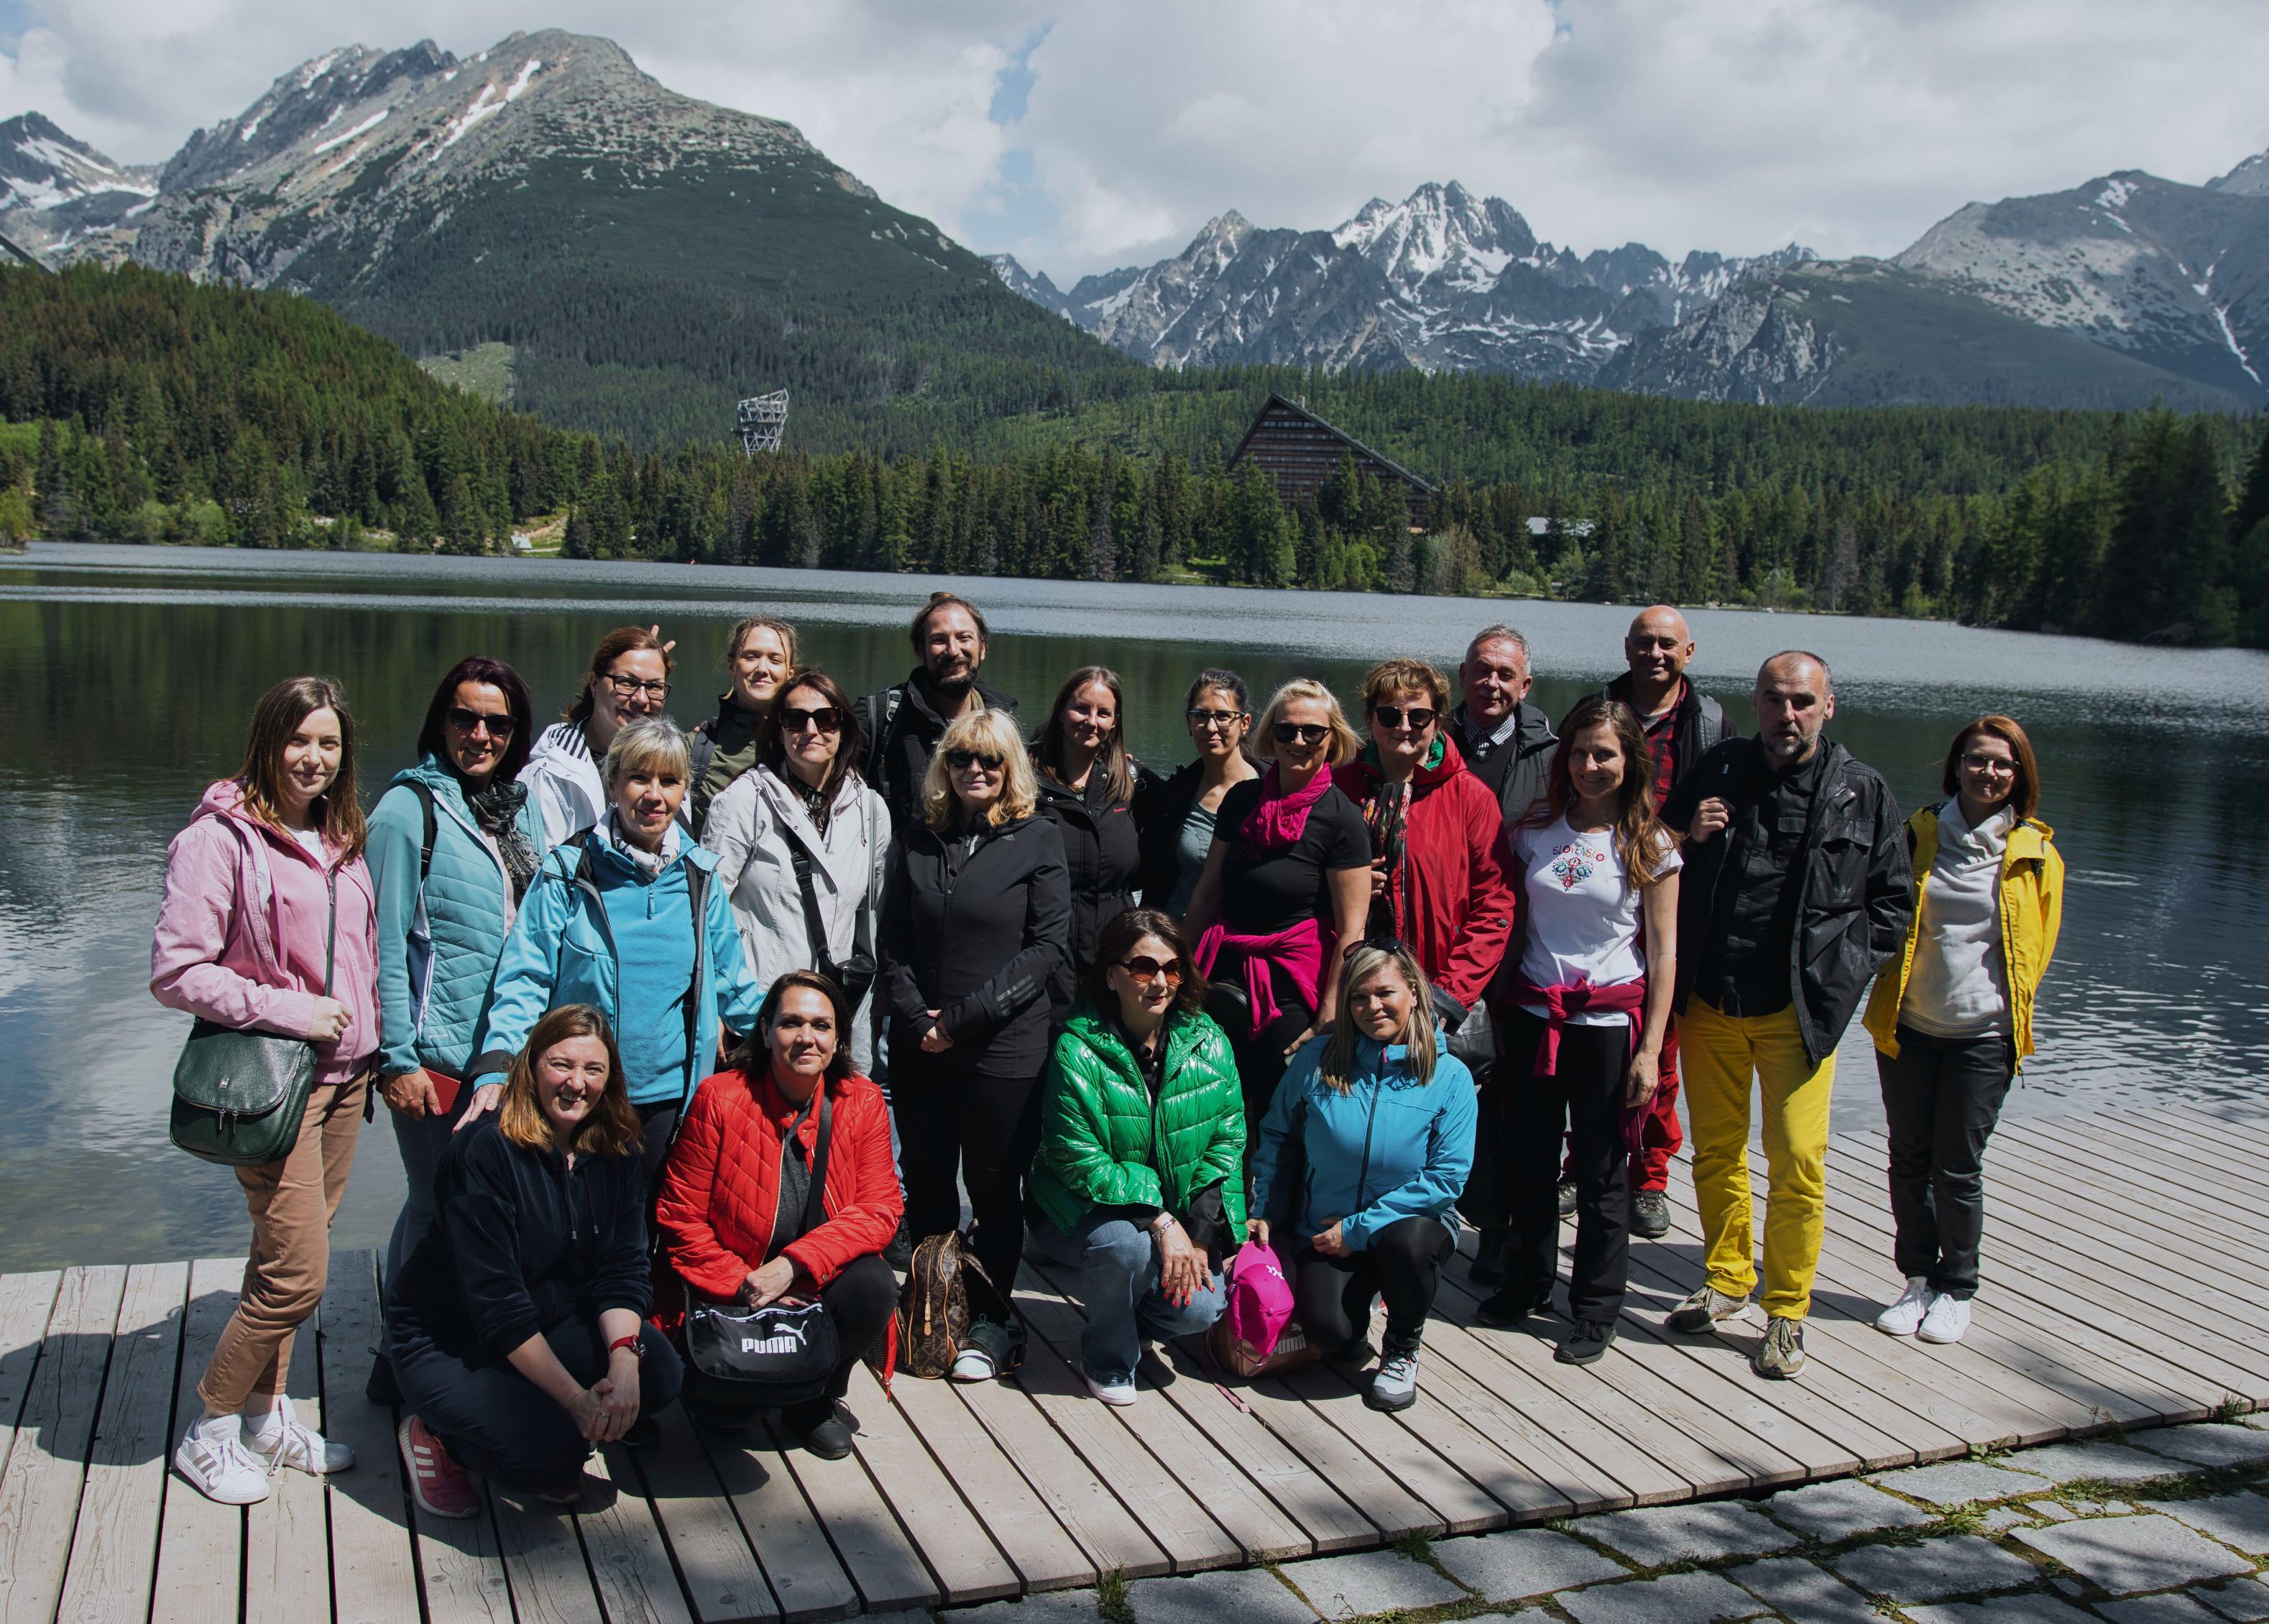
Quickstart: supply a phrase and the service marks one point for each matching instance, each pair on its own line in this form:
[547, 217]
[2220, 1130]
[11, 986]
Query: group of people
[670, 1024]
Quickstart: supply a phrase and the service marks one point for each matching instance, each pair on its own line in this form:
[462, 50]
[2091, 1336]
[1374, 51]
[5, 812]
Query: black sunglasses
[825, 719]
[1300, 732]
[961, 761]
[1419, 717]
[466, 720]
[1142, 967]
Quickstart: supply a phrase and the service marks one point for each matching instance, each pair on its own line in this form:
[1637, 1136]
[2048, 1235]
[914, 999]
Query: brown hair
[622, 640]
[612, 1127]
[274, 720]
[991, 733]
[754, 1057]
[1111, 762]
[1341, 745]
[1116, 939]
[1394, 676]
[1641, 841]
[850, 744]
[2025, 796]
[747, 623]
[1364, 961]
[919, 628]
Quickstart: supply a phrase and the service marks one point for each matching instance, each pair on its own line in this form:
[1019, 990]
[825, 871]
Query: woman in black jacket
[1088, 786]
[517, 1326]
[974, 932]
[1176, 815]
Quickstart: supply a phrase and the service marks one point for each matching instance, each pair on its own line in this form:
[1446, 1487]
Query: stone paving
[2166, 1526]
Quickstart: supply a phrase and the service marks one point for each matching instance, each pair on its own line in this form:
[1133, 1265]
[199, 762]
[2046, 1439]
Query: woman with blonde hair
[517, 1324]
[760, 655]
[1285, 889]
[1360, 1163]
[1952, 1016]
[975, 928]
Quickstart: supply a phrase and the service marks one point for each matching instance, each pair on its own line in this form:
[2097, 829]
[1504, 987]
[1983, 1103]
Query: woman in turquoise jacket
[610, 921]
[1375, 1122]
[453, 845]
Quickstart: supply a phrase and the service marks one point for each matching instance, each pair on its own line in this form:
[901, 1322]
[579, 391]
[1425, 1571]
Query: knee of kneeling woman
[1119, 1245]
[661, 1373]
[1411, 1240]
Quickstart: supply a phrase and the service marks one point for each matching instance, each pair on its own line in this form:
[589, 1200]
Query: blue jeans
[1118, 1265]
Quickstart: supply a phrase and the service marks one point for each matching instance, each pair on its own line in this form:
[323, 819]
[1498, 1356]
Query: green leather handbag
[239, 1097]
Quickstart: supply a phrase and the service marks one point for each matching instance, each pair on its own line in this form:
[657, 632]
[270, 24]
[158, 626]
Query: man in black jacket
[1507, 742]
[903, 724]
[1796, 888]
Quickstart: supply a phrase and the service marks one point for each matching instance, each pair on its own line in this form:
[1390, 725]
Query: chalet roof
[1298, 410]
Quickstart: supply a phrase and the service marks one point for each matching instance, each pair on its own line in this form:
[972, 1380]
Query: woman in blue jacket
[631, 920]
[453, 845]
[1381, 1118]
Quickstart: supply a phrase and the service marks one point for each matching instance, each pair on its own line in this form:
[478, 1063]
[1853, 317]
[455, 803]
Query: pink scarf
[1277, 819]
[1299, 949]
[1626, 997]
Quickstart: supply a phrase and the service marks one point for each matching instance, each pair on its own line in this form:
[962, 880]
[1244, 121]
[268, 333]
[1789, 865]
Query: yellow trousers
[1718, 1054]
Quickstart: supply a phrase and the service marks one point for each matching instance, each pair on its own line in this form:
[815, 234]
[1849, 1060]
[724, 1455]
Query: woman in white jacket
[804, 807]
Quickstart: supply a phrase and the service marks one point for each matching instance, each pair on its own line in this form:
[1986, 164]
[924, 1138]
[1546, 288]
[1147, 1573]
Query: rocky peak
[2250, 179]
[42, 167]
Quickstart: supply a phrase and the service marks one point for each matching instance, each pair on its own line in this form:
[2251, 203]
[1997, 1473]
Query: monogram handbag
[238, 1097]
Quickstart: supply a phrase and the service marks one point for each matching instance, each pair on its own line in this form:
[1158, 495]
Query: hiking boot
[1585, 1342]
[1781, 1355]
[1567, 1198]
[989, 1351]
[900, 1254]
[1512, 1306]
[1118, 1391]
[1947, 1319]
[212, 1455]
[1705, 1310]
[819, 1429]
[1903, 1317]
[1395, 1387]
[437, 1482]
[281, 1439]
[1651, 1215]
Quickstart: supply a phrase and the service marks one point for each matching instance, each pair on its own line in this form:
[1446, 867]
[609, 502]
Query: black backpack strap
[882, 708]
[424, 793]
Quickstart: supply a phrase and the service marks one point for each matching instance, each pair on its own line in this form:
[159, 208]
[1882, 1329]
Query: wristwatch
[637, 1348]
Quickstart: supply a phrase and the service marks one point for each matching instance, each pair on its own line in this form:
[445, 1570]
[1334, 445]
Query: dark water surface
[126, 676]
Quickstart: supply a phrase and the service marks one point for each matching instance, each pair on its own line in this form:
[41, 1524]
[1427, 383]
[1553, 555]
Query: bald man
[1681, 723]
[1796, 889]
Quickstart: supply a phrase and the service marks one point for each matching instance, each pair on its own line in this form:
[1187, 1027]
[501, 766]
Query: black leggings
[952, 1115]
[1260, 1056]
[859, 1301]
[1403, 1264]
[657, 1123]
[1585, 1091]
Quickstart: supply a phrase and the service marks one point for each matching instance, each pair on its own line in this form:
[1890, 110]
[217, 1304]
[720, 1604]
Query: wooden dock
[2127, 1282]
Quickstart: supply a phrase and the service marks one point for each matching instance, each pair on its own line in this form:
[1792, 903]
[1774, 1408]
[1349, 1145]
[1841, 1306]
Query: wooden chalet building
[1299, 450]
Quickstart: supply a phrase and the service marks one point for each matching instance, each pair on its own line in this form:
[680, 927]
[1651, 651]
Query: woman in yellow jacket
[1952, 1016]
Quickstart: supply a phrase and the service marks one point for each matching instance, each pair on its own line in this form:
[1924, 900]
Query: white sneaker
[1121, 1392]
[282, 1439]
[212, 1456]
[1904, 1316]
[1947, 1319]
[989, 1351]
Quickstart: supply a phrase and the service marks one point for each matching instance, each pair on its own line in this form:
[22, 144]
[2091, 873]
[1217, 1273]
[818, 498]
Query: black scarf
[496, 806]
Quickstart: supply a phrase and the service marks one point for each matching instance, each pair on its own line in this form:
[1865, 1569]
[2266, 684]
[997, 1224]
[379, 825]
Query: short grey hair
[1498, 634]
[648, 741]
[1827, 677]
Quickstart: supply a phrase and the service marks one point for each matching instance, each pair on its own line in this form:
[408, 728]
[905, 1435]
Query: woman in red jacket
[734, 1196]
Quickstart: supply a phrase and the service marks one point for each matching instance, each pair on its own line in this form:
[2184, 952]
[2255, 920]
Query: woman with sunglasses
[1140, 1172]
[1285, 887]
[1436, 882]
[1088, 785]
[1176, 815]
[628, 678]
[802, 846]
[1952, 1016]
[976, 920]
[452, 845]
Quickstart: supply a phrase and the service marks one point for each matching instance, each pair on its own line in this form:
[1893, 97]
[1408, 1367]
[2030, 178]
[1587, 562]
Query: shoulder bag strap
[815, 1204]
[331, 931]
[799, 858]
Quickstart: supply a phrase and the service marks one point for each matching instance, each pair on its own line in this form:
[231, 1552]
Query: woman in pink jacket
[250, 886]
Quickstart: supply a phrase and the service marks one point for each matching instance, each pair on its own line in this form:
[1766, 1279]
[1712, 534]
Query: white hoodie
[563, 782]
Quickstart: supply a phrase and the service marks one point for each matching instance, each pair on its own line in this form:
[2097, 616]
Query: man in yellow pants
[1796, 888]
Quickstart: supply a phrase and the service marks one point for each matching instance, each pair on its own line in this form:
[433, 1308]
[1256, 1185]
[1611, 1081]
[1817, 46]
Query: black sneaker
[380, 1387]
[1651, 1215]
[900, 1254]
[1512, 1306]
[1567, 1198]
[819, 1427]
[1585, 1342]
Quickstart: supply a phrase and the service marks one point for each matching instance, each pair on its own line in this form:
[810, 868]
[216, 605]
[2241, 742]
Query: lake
[126, 676]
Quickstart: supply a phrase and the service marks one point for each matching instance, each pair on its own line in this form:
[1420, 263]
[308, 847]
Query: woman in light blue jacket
[453, 845]
[631, 920]
[1376, 1118]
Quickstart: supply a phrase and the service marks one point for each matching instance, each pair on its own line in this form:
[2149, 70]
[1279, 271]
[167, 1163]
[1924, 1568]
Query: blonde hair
[988, 733]
[1364, 963]
[1342, 743]
[648, 742]
[1400, 676]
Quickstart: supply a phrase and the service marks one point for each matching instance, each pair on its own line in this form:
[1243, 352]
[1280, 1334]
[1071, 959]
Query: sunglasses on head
[1300, 732]
[822, 718]
[1417, 717]
[961, 761]
[1142, 967]
[466, 720]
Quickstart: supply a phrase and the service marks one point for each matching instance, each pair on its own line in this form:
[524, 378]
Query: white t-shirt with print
[1582, 920]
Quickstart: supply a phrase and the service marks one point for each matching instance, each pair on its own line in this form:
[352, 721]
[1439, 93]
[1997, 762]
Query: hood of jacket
[1359, 777]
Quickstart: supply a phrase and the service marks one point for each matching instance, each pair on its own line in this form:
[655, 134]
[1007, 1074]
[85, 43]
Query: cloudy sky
[1085, 134]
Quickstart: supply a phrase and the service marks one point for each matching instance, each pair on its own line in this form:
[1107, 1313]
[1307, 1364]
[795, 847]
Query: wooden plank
[1578, 1485]
[373, 1571]
[961, 1555]
[1462, 1504]
[543, 1560]
[628, 1563]
[26, 1302]
[46, 1472]
[200, 1545]
[2191, 1189]
[723, 1581]
[287, 1568]
[113, 1553]
[873, 1548]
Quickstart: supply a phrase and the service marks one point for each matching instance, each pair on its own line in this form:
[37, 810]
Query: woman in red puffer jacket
[735, 1187]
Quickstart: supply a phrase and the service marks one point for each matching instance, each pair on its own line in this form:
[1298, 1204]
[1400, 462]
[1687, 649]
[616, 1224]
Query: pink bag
[1255, 1335]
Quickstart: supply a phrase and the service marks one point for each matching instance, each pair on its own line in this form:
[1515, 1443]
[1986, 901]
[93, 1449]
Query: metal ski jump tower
[762, 417]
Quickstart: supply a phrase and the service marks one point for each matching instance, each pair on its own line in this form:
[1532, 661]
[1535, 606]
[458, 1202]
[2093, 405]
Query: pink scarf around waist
[1625, 998]
[1299, 950]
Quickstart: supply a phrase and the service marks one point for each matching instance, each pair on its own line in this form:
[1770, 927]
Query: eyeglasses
[1300, 732]
[475, 721]
[1977, 763]
[1418, 717]
[1224, 719]
[1144, 968]
[630, 686]
[825, 719]
[962, 760]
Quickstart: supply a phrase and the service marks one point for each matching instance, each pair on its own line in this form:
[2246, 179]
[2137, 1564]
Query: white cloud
[1850, 125]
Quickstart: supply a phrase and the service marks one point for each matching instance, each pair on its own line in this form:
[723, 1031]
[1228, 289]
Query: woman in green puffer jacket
[1141, 1168]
